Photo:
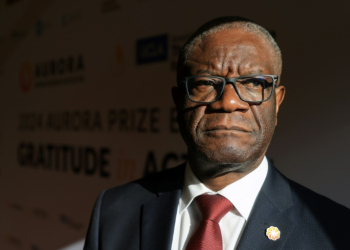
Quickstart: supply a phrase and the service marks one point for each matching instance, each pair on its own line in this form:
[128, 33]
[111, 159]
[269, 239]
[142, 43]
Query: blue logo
[152, 49]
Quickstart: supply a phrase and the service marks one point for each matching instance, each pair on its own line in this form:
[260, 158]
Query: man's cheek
[187, 103]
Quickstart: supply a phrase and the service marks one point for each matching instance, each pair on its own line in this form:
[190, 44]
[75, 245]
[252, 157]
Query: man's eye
[202, 86]
[205, 83]
[253, 83]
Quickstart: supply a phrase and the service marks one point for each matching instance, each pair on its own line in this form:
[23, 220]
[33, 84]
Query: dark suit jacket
[141, 215]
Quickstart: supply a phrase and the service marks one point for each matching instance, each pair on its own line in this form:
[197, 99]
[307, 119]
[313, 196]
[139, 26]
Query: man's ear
[280, 92]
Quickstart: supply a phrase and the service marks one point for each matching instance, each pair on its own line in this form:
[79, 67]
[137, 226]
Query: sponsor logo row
[71, 69]
[64, 70]
[41, 214]
[157, 48]
[42, 26]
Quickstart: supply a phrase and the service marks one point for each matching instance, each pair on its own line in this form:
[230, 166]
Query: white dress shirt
[241, 193]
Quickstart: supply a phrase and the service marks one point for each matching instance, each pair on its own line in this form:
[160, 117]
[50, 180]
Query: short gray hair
[226, 23]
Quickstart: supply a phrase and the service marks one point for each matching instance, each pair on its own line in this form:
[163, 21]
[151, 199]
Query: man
[227, 196]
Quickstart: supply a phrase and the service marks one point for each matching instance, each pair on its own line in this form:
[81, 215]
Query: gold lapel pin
[273, 233]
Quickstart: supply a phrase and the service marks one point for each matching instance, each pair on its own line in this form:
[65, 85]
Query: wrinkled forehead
[233, 51]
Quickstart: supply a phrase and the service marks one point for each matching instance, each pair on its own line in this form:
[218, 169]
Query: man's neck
[218, 176]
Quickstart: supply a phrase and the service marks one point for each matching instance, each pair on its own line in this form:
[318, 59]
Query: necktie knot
[213, 207]
[208, 234]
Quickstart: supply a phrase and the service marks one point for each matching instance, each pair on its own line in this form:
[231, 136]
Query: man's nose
[230, 101]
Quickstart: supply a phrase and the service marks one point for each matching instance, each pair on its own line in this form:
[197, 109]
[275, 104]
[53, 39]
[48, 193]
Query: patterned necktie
[208, 234]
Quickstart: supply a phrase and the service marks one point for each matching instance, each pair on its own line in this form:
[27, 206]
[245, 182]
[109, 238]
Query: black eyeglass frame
[184, 81]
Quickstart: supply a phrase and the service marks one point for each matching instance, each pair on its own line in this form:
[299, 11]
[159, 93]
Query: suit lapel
[158, 215]
[271, 208]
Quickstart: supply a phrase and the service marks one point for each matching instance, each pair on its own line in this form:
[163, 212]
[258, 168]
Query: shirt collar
[241, 193]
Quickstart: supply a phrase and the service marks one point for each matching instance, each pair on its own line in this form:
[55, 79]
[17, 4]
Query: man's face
[229, 130]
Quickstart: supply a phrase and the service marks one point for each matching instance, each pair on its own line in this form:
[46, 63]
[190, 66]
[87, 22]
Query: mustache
[226, 122]
[219, 119]
[238, 127]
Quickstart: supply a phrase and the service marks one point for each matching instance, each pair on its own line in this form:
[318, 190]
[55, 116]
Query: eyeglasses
[253, 89]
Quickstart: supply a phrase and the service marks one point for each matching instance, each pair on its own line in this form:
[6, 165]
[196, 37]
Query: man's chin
[216, 166]
[231, 160]
[227, 155]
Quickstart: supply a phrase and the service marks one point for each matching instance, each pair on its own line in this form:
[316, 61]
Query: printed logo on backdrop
[155, 163]
[109, 5]
[91, 160]
[65, 158]
[64, 70]
[152, 49]
[176, 43]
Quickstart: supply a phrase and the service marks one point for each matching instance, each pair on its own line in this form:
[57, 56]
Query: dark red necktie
[208, 234]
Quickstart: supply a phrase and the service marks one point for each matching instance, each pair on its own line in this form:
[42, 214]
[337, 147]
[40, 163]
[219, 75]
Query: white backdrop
[85, 102]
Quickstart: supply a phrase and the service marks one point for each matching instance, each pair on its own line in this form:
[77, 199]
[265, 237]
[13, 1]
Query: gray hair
[227, 23]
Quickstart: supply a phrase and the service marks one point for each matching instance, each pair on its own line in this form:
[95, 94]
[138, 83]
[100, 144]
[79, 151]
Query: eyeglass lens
[250, 89]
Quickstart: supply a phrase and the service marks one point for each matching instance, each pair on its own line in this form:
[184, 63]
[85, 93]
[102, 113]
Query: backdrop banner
[86, 105]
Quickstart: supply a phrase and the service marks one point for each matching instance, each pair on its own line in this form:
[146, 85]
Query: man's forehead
[210, 57]
[234, 49]
[243, 71]
[230, 41]
[230, 69]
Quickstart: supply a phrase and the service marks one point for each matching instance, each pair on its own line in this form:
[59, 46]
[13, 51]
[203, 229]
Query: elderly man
[228, 195]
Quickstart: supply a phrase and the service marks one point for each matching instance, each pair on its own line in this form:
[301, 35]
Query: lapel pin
[273, 233]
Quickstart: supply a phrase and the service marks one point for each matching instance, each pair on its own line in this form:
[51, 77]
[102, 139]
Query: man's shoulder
[146, 188]
[302, 196]
[310, 210]
[323, 221]
[118, 211]
[320, 205]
